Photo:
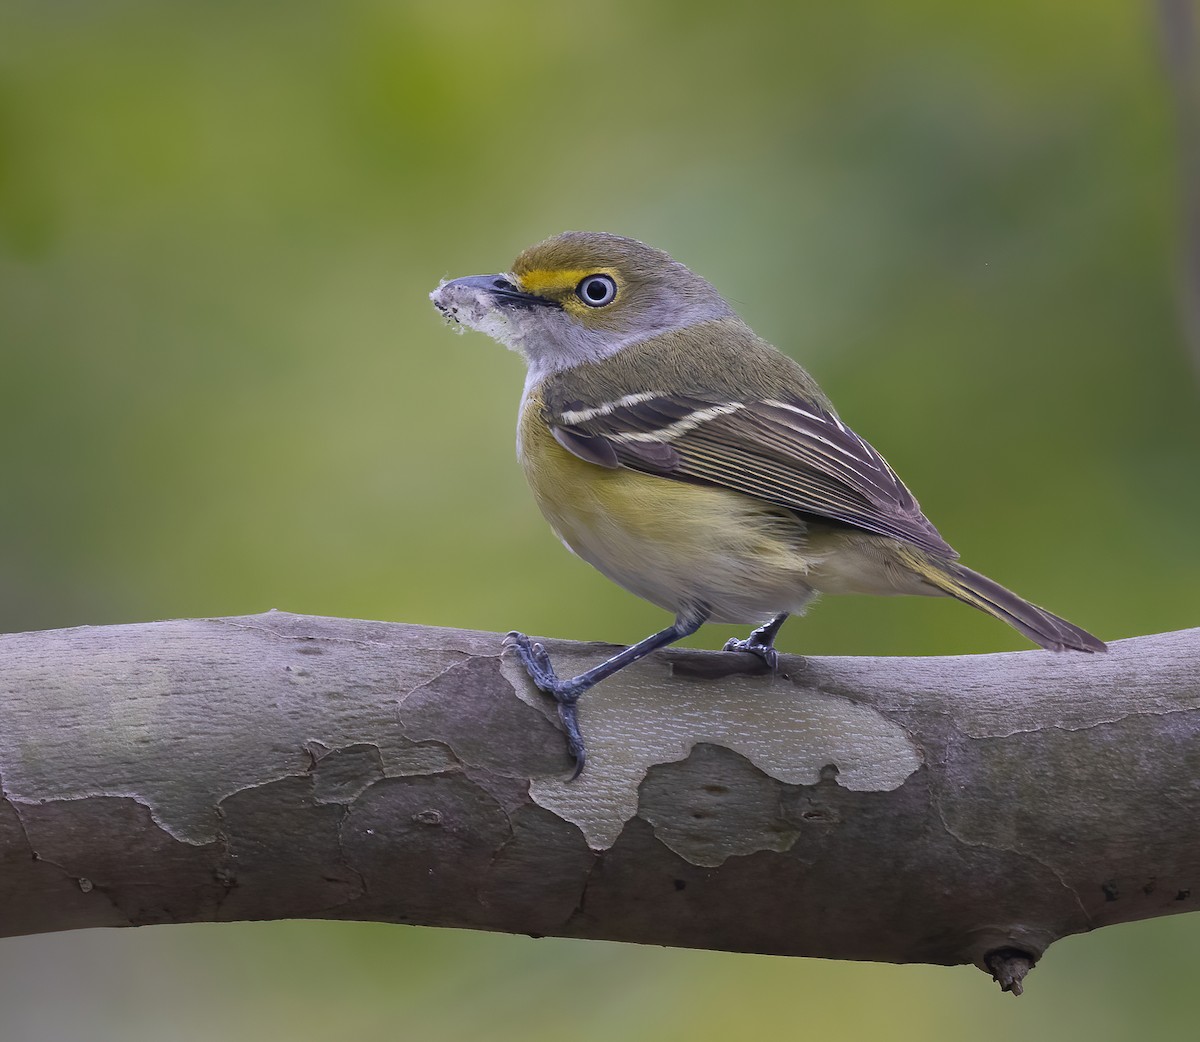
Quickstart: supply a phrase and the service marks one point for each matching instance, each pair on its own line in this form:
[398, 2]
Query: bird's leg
[566, 692]
[761, 642]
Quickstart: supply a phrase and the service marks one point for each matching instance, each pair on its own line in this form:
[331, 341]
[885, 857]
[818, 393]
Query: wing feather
[793, 453]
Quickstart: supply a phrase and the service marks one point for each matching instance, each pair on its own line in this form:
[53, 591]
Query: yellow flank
[554, 282]
[677, 545]
[943, 580]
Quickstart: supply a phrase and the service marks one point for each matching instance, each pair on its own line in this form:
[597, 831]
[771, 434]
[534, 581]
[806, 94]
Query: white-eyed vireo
[694, 464]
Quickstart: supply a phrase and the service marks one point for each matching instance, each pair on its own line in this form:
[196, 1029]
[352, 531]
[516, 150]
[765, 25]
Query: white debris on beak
[474, 308]
[444, 300]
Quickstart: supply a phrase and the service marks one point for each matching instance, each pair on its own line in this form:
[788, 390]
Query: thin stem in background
[1177, 23]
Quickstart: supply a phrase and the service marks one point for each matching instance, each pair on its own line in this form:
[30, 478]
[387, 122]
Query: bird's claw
[762, 651]
[575, 748]
[536, 661]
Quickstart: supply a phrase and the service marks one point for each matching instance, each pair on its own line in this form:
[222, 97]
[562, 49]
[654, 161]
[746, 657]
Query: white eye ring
[597, 290]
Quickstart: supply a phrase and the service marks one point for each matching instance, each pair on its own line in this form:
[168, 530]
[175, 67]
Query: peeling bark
[942, 810]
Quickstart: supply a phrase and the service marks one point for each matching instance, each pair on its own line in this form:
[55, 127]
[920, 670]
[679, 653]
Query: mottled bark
[943, 810]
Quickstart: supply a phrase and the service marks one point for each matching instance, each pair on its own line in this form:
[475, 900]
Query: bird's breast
[676, 544]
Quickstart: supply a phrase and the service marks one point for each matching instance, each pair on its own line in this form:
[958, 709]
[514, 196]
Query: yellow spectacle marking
[549, 282]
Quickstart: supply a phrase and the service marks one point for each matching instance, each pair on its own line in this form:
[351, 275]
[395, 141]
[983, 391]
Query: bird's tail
[980, 592]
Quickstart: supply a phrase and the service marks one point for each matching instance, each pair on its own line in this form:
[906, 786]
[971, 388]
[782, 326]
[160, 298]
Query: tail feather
[1036, 623]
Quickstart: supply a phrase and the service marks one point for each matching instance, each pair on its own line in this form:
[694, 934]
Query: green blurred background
[223, 390]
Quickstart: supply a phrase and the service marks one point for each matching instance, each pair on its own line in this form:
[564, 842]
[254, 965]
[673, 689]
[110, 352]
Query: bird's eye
[596, 290]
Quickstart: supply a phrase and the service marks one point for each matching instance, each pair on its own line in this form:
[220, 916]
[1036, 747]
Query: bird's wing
[789, 452]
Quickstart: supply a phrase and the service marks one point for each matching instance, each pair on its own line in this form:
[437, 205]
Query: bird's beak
[486, 290]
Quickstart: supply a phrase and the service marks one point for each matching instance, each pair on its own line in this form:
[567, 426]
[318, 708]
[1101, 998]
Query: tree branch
[944, 810]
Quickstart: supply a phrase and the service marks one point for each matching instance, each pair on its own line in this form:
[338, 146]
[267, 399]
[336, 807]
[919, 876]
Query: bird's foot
[535, 660]
[753, 647]
[566, 693]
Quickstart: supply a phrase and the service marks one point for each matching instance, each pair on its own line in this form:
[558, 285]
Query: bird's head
[579, 297]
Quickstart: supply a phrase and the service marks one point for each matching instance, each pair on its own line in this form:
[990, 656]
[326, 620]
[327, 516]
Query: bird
[695, 464]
